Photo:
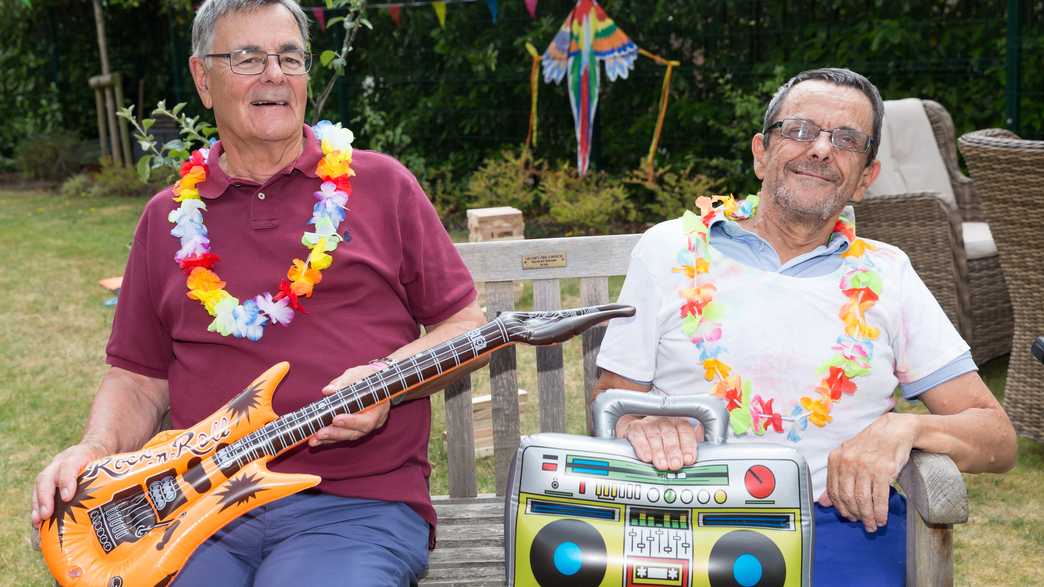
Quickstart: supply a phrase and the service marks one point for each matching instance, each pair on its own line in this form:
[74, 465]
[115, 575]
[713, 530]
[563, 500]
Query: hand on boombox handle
[610, 405]
[1037, 349]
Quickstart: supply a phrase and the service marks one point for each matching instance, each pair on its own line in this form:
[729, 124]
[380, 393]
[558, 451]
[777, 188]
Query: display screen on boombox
[738, 518]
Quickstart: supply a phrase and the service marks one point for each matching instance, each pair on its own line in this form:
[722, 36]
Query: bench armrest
[935, 488]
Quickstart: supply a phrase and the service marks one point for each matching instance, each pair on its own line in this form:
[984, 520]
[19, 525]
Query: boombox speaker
[584, 512]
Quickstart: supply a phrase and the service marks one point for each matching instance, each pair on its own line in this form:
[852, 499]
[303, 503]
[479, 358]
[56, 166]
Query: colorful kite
[587, 36]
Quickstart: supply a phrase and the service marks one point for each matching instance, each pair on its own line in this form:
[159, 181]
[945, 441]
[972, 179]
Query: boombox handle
[611, 404]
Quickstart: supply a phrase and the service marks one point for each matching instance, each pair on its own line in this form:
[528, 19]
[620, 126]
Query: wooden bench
[470, 547]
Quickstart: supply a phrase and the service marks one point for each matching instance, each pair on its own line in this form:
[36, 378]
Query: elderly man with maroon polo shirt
[370, 521]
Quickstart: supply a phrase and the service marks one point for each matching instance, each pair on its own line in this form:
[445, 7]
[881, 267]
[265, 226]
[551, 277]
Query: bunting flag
[440, 12]
[587, 36]
[395, 12]
[320, 17]
[531, 7]
[492, 9]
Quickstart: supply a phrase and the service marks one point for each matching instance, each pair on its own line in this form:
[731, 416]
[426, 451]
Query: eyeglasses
[806, 131]
[250, 62]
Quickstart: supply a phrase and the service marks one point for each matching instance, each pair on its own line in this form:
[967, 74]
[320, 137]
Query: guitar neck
[291, 429]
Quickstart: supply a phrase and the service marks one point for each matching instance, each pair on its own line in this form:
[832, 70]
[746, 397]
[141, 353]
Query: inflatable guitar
[136, 517]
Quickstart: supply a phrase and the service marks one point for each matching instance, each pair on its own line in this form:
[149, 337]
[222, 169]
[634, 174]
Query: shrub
[670, 193]
[508, 179]
[594, 204]
[51, 156]
[77, 186]
[110, 180]
[116, 180]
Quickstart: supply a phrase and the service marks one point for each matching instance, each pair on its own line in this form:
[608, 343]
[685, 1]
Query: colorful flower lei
[701, 322]
[247, 320]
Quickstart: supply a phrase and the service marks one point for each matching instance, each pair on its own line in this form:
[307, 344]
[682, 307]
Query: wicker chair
[1009, 173]
[945, 244]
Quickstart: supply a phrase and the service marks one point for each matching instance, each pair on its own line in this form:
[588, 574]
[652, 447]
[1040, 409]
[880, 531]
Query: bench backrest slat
[547, 295]
[460, 440]
[503, 383]
[498, 265]
[593, 291]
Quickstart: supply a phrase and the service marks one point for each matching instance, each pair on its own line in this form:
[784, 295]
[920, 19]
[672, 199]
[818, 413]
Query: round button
[760, 481]
[703, 496]
[669, 496]
[260, 195]
[686, 496]
[654, 494]
[719, 496]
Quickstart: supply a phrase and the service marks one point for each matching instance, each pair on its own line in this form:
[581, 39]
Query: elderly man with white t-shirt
[804, 330]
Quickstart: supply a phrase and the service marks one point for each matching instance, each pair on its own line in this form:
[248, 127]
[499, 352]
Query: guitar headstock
[560, 325]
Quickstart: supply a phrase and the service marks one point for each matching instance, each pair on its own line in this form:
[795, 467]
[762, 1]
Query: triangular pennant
[320, 17]
[492, 9]
[440, 12]
[395, 12]
[531, 7]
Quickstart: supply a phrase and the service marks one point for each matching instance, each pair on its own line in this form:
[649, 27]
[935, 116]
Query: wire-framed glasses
[252, 62]
[806, 131]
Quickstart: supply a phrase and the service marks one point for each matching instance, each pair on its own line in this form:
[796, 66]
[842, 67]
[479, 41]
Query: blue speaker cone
[568, 558]
[747, 570]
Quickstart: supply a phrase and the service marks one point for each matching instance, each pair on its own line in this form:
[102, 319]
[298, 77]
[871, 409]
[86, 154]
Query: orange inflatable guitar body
[137, 517]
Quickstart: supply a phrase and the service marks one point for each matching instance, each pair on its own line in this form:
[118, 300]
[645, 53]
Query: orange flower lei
[247, 320]
[701, 322]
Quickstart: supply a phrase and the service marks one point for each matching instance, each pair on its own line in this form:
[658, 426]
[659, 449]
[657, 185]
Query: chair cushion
[909, 156]
[978, 242]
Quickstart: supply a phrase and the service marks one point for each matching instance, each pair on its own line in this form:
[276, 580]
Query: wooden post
[112, 131]
[929, 552]
[103, 127]
[117, 87]
[936, 499]
[109, 89]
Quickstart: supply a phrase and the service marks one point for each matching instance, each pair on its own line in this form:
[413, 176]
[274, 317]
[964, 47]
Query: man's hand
[669, 443]
[60, 475]
[860, 472]
[351, 426]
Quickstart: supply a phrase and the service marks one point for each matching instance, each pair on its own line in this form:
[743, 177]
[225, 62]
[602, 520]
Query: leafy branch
[352, 21]
[167, 158]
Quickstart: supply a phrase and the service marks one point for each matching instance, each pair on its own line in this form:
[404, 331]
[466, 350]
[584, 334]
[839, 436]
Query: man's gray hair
[212, 10]
[839, 77]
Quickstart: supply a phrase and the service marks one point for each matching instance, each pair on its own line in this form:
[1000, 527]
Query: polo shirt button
[261, 195]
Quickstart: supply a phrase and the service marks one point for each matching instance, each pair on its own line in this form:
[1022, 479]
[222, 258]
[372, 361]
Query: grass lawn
[55, 325]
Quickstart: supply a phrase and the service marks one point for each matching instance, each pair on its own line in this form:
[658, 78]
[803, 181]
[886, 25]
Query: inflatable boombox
[584, 512]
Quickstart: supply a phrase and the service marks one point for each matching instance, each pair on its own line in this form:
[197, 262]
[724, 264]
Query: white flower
[191, 209]
[334, 135]
[192, 246]
[279, 312]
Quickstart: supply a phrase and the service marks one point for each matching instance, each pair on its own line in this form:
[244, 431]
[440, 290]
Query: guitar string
[254, 445]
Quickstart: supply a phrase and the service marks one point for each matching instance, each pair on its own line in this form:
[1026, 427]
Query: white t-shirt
[778, 333]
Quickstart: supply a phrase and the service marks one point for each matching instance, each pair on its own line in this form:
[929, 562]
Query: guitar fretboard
[291, 429]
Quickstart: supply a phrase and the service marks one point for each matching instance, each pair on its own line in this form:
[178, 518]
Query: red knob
[760, 481]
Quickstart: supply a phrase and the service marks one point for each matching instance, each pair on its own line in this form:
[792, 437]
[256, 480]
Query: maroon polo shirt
[399, 269]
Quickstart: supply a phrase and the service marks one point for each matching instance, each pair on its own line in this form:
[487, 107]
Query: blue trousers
[316, 540]
[846, 555]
